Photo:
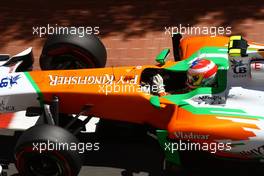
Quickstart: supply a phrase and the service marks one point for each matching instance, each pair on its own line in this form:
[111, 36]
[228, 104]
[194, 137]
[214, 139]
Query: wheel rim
[65, 62]
[64, 58]
[44, 165]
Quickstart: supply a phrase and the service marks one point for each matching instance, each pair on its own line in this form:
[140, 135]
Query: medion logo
[209, 99]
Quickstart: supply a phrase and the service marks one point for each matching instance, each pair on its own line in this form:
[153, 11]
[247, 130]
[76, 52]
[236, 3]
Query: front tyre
[44, 160]
[63, 52]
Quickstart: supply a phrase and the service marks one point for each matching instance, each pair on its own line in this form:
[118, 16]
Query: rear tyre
[62, 52]
[36, 155]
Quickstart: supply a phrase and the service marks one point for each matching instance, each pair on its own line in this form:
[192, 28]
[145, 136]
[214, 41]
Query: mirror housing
[162, 56]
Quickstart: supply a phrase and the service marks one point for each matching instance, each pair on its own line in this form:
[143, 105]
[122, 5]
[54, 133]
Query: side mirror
[162, 56]
[155, 101]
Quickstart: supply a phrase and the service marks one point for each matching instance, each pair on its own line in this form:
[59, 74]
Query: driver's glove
[158, 82]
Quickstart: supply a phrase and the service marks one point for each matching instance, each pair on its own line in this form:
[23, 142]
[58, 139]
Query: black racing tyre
[72, 52]
[33, 160]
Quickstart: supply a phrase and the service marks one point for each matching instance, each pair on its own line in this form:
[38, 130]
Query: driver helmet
[201, 73]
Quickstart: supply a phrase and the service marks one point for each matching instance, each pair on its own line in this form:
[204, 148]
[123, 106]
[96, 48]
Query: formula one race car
[225, 120]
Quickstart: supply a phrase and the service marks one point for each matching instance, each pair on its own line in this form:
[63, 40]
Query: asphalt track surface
[133, 32]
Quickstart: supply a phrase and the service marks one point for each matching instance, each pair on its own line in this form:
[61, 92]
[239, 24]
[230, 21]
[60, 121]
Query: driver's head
[201, 73]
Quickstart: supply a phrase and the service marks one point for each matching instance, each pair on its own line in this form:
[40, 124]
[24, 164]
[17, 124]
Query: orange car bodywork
[131, 106]
[189, 45]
